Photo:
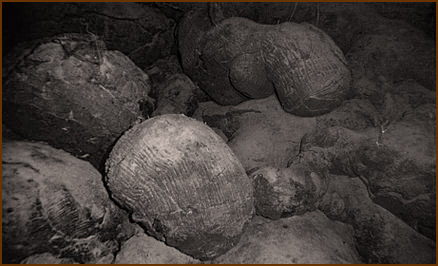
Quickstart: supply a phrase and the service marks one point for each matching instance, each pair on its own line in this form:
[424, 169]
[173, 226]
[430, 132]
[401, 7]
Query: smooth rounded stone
[70, 91]
[260, 132]
[286, 192]
[379, 235]
[144, 249]
[182, 183]
[176, 95]
[239, 58]
[143, 33]
[53, 202]
[310, 238]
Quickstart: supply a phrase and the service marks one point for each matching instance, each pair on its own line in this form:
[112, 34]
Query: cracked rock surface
[55, 203]
[70, 91]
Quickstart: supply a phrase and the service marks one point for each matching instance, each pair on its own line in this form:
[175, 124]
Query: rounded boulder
[182, 183]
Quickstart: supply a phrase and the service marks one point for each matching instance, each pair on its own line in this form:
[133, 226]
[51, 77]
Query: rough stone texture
[310, 238]
[143, 33]
[396, 160]
[240, 59]
[53, 202]
[380, 236]
[73, 93]
[176, 95]
[287, 192]
[144, 249]
[354, 114]
[420, 15]
[191, 28]
[45, 258]
[260, 132]
[396, 51]
[163, 68]
[182, 183]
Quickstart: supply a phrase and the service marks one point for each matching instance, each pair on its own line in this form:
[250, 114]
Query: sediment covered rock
[310, 238]
[144, 249]
[182, 183]
[53, 202]
[260, 132]
[380, 236]
[70, 91]
[285, 192]
[240, 59]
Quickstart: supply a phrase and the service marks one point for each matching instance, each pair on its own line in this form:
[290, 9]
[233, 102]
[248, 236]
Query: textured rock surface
[310, 238]
[287, 192]
[379, 235]
[45, 258]
[53, 202]
[144, 249]
[73, 93]
[143, 33]
[260, 132]
[407, 53]
[182, 183]
[176, 95]
[162, 69]
[398, 163]
[239, 59]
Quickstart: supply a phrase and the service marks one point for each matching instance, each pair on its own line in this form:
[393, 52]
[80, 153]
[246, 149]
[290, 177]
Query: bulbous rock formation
[56, 205]
[182, 183]
[239, 59]
[70, 91]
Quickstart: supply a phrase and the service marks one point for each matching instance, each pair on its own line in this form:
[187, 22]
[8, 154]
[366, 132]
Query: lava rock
[143, 33]
[379, 235]
[310, 238]
[182, 183]
[144, 249]
[260, 132]
[53, 202]
[240, 59]
[162, 69]
[396, 160]
[176, 95]
[396, 51]
[73, 93]
[286, 192]
[46, 258]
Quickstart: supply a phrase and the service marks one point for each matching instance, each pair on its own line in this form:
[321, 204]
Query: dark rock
[163, 68]
[176, 95]
[396, 160]
[143, 33]
[286, 192]
[182, 183]
[73, 93]
[53, 202]
[380, 236]
[240, 59]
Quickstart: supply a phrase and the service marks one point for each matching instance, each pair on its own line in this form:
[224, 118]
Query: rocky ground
[327, 111]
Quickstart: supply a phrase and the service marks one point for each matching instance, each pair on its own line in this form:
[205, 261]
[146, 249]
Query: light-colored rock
[310, 238]
[144, 249]
[182, 183]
